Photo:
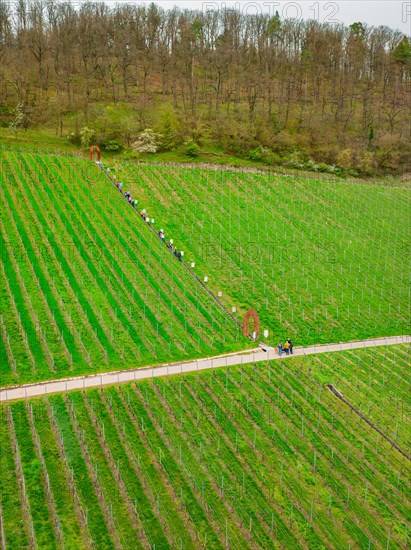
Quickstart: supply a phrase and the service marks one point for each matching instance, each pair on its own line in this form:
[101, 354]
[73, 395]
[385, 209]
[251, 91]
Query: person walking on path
[291, 345]
[280, 349]
[287, 348]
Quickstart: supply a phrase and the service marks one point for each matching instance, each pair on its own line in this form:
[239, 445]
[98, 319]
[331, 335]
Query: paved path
[243, 358]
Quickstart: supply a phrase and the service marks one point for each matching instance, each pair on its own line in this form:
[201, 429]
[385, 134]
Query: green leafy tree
[86, 136]
[274, 26]
[371, 137]
[357, 30]
[170, 129]
[401, 55]
[402, 52]
[197, 29]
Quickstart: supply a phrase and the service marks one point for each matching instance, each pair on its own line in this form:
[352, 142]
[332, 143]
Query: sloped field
[261, 456]
[321, 262]
[86, 286]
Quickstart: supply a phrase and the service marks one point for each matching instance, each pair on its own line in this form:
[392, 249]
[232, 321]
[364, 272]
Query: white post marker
[182, 253]
[254, 335]
[233, 309]
[265, 333]
[220, 293]
[193, 264]
[205, 279]
[152, 220]
[171, 241]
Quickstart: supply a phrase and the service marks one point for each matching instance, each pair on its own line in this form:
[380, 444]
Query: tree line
[252, 85]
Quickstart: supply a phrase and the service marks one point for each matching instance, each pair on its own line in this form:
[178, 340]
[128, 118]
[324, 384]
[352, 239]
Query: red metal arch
[95, 149]
[251, 313]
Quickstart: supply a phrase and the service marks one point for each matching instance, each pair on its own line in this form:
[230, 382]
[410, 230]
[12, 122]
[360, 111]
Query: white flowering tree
[21, 119]
[147, 142]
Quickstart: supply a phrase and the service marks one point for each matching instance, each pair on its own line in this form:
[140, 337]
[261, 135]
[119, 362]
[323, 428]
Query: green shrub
[191, 149]
[112, 146]
[261, 154]
[74, 138]
[130, 154]
[298, 160]
[322, 167]
[255, 154]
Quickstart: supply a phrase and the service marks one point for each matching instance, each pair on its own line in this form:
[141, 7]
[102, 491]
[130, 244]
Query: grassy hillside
[85, 285]
[320, 261]
[261, 456]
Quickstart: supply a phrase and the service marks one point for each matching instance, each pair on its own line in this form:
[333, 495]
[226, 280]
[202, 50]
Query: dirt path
[242, 357]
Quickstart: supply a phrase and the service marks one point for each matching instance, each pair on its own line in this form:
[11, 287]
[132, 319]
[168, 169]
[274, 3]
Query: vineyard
[320, 261]
[262, 456]
[89, 288]
[310, 452]
[85, 286]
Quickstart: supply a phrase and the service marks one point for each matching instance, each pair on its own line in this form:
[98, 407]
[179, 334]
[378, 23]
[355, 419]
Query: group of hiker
[287, 348]
[146, 218]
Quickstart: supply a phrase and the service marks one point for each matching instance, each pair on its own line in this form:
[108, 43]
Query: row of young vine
[258, 456]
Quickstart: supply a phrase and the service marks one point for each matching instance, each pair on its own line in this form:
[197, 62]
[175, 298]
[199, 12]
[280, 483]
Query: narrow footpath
[142, 373]
[183, 263]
